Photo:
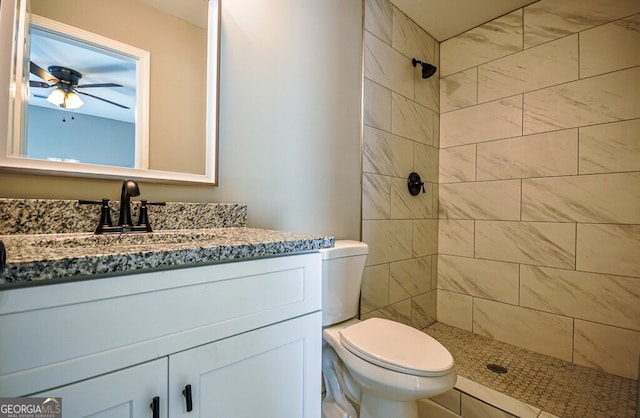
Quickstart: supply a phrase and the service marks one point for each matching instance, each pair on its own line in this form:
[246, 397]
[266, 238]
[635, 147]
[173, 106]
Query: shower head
[427, 69]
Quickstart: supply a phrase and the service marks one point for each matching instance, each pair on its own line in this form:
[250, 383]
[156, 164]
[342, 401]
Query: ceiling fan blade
[100, 98]
[42, 73]
[83, 86]
[33, 83]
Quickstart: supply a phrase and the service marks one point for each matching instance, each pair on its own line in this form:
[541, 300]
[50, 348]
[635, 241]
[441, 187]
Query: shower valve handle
[414, 184]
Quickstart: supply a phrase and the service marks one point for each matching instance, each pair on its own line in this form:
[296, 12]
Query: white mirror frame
[10, 52]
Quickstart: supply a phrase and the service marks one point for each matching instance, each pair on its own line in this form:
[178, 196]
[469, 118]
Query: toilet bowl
[391, 364]
[374, 368]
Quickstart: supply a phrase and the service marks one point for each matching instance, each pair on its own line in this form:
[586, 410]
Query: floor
[558, 387]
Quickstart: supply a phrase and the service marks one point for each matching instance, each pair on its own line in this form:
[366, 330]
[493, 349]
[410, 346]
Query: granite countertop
[36, 258]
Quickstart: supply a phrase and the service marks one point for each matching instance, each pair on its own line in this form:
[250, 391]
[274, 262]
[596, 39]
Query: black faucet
[125, 224]
[129, 188]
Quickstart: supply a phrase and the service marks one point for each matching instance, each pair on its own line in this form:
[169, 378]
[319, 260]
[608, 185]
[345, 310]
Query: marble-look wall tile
[547, 20]
[436, 128]
[498, 200]
[434, 272]
[424, 309]
[400, 136]
[611, 147]
[406, 206]
[498, 399]
[475, 408]
[435, 200]
[455, 237]
[564, 103]
[457, 164]
[428, 408]
[374, 314]
[534, 330]
[450, 400]
[388, 240]
[387, 154]
[459, 90]
[485, 122]
[495, 39]
[399, 312]
[425, 162]
[411, 120]
[427, 91]
[409, 278]
[537, 243]
[532, 69]
[614, 350]
[378, 19]
[428, 94]
[610, 249]
[410, 39]
[604, 198]
[487, 279]
[387, 67]
[377, 111]
[549, 154]
[425, 237]
[605, 98]
[375, 288]
[611, 300]
[455, 309]
[610, 47]
[376, 196]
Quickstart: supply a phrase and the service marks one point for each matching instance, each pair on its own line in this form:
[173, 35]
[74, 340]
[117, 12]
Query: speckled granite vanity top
[34, 257]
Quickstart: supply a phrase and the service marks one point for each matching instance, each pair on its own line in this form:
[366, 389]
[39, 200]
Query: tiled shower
[400, 136]
[529, 142]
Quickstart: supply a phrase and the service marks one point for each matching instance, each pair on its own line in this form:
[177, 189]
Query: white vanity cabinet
[263, 373]
[245, 336]
[126, 393]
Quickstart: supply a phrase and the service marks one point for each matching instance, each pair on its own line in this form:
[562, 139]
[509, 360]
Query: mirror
[178, 74]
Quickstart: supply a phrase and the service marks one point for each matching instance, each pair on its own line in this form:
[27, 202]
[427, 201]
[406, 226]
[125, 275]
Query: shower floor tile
[556, 386]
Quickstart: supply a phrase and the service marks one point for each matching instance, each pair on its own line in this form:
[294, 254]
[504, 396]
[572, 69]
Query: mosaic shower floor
[557, 387]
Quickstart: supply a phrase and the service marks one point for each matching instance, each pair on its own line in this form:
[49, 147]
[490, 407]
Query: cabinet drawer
[53, 335]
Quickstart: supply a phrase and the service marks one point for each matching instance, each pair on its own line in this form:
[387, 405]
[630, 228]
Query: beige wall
[539, 232]
[400, 136]
[290, 104]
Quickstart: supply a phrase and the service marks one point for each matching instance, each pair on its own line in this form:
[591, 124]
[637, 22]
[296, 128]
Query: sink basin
[119, 240]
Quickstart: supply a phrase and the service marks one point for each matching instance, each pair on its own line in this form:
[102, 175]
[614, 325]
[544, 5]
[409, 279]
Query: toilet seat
[397, 347]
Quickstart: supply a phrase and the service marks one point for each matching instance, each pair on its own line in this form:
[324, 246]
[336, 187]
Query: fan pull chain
[64, 118]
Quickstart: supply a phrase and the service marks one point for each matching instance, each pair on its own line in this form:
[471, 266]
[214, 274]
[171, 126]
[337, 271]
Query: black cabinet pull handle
[155, 407]
[188, 398]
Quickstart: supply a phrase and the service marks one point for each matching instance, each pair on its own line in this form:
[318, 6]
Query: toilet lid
[398, 347]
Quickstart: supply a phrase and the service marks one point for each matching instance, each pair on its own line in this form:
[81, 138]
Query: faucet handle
[143, 218]
[105, 213]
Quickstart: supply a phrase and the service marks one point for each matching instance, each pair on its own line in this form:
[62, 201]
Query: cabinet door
[272, 372]
[127, 393]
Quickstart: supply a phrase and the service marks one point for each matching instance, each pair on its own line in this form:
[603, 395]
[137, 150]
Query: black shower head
[427, 69]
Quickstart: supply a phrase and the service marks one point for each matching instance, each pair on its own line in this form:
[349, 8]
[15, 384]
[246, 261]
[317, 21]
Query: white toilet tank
[342, 268]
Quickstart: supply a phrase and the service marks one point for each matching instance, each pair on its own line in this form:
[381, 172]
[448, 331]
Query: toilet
[374, 368]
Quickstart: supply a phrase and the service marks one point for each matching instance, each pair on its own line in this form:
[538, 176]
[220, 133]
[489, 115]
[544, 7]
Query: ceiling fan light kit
[56, 97]
[65, 99]
[65, 81]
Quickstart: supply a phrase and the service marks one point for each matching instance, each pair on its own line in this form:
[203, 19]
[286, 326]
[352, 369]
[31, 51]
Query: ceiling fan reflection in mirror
[67, 90]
